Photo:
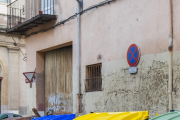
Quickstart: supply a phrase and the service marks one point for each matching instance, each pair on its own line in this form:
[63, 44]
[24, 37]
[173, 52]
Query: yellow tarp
[139, 115]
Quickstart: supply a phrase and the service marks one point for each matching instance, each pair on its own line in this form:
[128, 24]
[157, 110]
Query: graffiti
[56, 99]
[56, 108]
[57, 102]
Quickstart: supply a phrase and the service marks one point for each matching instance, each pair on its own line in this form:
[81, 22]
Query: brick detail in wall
[40, 91]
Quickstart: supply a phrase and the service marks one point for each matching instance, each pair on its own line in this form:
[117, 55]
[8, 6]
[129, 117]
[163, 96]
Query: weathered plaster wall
[13, 95]
[108, 31]
[176, 55]
[176, 28]
[22, 85]
[146, 90]
[42, 42]
[4, 92]
[176, 80]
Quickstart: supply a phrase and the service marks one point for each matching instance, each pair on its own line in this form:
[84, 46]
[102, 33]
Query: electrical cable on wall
[15, 44]
[73, 16]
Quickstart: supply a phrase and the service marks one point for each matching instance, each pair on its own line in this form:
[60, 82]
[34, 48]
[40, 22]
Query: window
[48, 6]
[5, 1]
[93, 78]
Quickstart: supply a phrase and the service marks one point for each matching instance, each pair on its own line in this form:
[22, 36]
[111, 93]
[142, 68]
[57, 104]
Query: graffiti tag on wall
[57, 102]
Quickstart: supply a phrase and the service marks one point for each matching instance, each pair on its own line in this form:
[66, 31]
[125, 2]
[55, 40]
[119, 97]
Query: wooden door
[50, 79]
[64, 79]
[58, 80]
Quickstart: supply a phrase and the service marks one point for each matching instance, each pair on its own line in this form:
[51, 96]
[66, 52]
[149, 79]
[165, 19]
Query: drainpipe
[170, 50]
[77, 59]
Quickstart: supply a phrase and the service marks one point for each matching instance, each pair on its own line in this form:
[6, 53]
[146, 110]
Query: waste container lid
[3, 116]
[139, 115]
[57, 117]
[168, 116]
[14, 118]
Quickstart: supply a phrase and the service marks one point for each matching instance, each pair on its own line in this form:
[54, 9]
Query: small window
[5, 1]
[48, 6]
[93, 78]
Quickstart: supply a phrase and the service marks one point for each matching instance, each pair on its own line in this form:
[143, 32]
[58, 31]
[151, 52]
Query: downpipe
[77, 59]
[170, 61]
[170, 85]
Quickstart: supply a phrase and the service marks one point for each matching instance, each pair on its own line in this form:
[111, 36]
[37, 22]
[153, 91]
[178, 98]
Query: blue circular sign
[133, 55]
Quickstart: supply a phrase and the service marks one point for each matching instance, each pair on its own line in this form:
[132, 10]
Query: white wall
[3, 8]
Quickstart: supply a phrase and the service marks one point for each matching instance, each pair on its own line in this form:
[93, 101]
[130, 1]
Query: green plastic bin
[3, 116]
[15, 115]
[168, 116]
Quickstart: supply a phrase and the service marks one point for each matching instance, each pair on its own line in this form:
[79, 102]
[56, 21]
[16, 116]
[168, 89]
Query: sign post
[29, 77]
[133, 56]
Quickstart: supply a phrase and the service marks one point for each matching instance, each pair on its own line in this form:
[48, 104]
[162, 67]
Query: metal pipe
[44, 7]
[170, 85]
[53, 7]
[77, 56]
[47, 7]
[50, 7]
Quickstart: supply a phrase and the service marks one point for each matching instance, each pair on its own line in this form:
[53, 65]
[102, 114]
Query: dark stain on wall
[40, 91]
[146, 90]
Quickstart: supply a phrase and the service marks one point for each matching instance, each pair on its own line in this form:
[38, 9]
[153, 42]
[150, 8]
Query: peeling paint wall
[176, 81]
[146, 90]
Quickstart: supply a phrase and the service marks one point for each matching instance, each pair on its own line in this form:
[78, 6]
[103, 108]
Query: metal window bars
[93, 78]
[20, 11]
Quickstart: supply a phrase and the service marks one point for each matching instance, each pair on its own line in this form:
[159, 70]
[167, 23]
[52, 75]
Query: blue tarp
[57, 117]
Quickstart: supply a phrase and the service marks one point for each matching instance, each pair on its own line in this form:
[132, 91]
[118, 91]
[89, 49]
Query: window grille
[93, 78]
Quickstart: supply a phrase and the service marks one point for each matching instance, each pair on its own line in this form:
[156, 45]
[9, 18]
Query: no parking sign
[133, 56]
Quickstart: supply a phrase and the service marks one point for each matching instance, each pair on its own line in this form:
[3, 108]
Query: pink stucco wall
[176, 24]
[109, 30]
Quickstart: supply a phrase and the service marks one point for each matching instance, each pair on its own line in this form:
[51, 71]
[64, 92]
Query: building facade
[12, 65]
[81, 60]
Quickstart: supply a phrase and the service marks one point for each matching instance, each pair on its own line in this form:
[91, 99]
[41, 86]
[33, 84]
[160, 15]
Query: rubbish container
[9, 115]
[18, 118]
[57, 117]
[14, 118]
[15, 115]
[3, 116]
[174, 115]
[143, 115]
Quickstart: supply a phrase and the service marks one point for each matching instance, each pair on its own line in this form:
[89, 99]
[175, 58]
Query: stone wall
[13, 96]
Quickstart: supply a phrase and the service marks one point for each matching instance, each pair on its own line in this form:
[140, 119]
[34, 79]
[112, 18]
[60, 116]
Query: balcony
[24, 15]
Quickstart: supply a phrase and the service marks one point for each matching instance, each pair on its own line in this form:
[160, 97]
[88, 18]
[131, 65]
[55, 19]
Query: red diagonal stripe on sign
[133, 54]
